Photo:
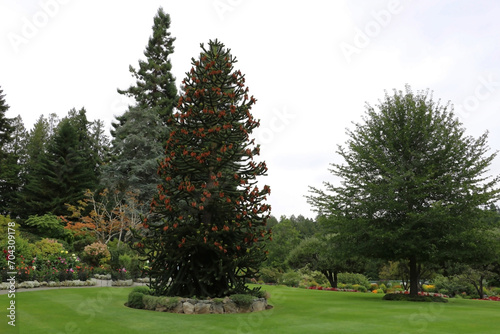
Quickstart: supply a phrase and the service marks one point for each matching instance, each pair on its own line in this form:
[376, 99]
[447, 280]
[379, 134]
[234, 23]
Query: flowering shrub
[25, 271]
[331, 289]
[97, 254]
[423, 293]
[120, 274]
[53, 268]
[429, 288]
[493, 298]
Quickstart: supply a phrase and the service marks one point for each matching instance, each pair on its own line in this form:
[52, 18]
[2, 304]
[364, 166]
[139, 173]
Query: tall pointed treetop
[155, 85]
[5, 123]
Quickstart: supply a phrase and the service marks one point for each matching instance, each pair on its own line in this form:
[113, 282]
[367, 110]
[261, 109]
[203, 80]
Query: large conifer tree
[32, 174]
[136, 152]
[7, 160]
[67, 171]
[209, 217]
[140, 133]
[60, 167]
[155, 85]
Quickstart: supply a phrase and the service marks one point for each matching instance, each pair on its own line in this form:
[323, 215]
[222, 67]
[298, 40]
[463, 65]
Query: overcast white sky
[311, 65]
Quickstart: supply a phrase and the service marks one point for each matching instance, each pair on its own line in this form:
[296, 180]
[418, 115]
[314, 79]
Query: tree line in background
[175, 185]
[179, 190]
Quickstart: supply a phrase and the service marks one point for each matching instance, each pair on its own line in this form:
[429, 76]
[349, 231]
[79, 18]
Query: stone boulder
[187, 308]
[202, 307]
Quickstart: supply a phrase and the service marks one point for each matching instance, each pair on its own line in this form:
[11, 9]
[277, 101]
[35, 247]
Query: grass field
[102, 310]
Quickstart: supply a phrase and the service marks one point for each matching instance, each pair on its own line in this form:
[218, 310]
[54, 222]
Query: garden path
[100, 284]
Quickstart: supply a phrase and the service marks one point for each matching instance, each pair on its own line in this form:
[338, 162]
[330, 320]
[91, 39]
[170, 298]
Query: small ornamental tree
[208, 220]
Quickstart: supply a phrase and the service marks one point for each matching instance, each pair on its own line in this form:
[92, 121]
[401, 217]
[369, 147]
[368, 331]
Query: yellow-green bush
[47, 247]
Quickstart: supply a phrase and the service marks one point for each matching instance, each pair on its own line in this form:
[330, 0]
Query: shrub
[150, 302]
[142, 289]
[351, 278]
[120, 274]
[453, 286]
[291, 278]
[168, 303]
[242, 300]
[382, 287]
[135, 297]
[135, 300]
[429, 288]
[359, 288]
[270, 275]
[97, 254]
[258, 293]
[48, 225]
[320, 278]
[84, 272]
[404, 297]
[47, 247]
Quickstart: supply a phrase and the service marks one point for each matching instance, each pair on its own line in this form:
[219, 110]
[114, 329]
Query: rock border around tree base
[211, 306]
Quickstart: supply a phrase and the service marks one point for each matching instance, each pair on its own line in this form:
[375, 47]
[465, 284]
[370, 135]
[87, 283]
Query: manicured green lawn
[101, 310]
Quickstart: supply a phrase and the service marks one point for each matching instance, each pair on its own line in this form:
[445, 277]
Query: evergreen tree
[59, 169]
[89, 143]
[5, 123]
[31, 175]
[413, 185]
[67, 171]
[155, 85]
[208, 220]
[13, 172]
[7, 159]
[139, 134]
[136, 151]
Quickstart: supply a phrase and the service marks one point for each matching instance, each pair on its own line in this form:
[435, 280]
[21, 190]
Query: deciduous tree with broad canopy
[413, 184]
[208, 220]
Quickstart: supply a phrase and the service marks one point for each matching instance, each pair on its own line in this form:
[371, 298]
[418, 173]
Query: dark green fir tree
[8, 163]
[155, 85]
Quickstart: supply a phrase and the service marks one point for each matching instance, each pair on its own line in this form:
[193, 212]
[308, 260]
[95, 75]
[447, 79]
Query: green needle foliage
[139, 134]
[8, 160]
[413, 184]
[209, 217]
[155, 85]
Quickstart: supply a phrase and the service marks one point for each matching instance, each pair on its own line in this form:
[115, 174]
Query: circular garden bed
[141, 299]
